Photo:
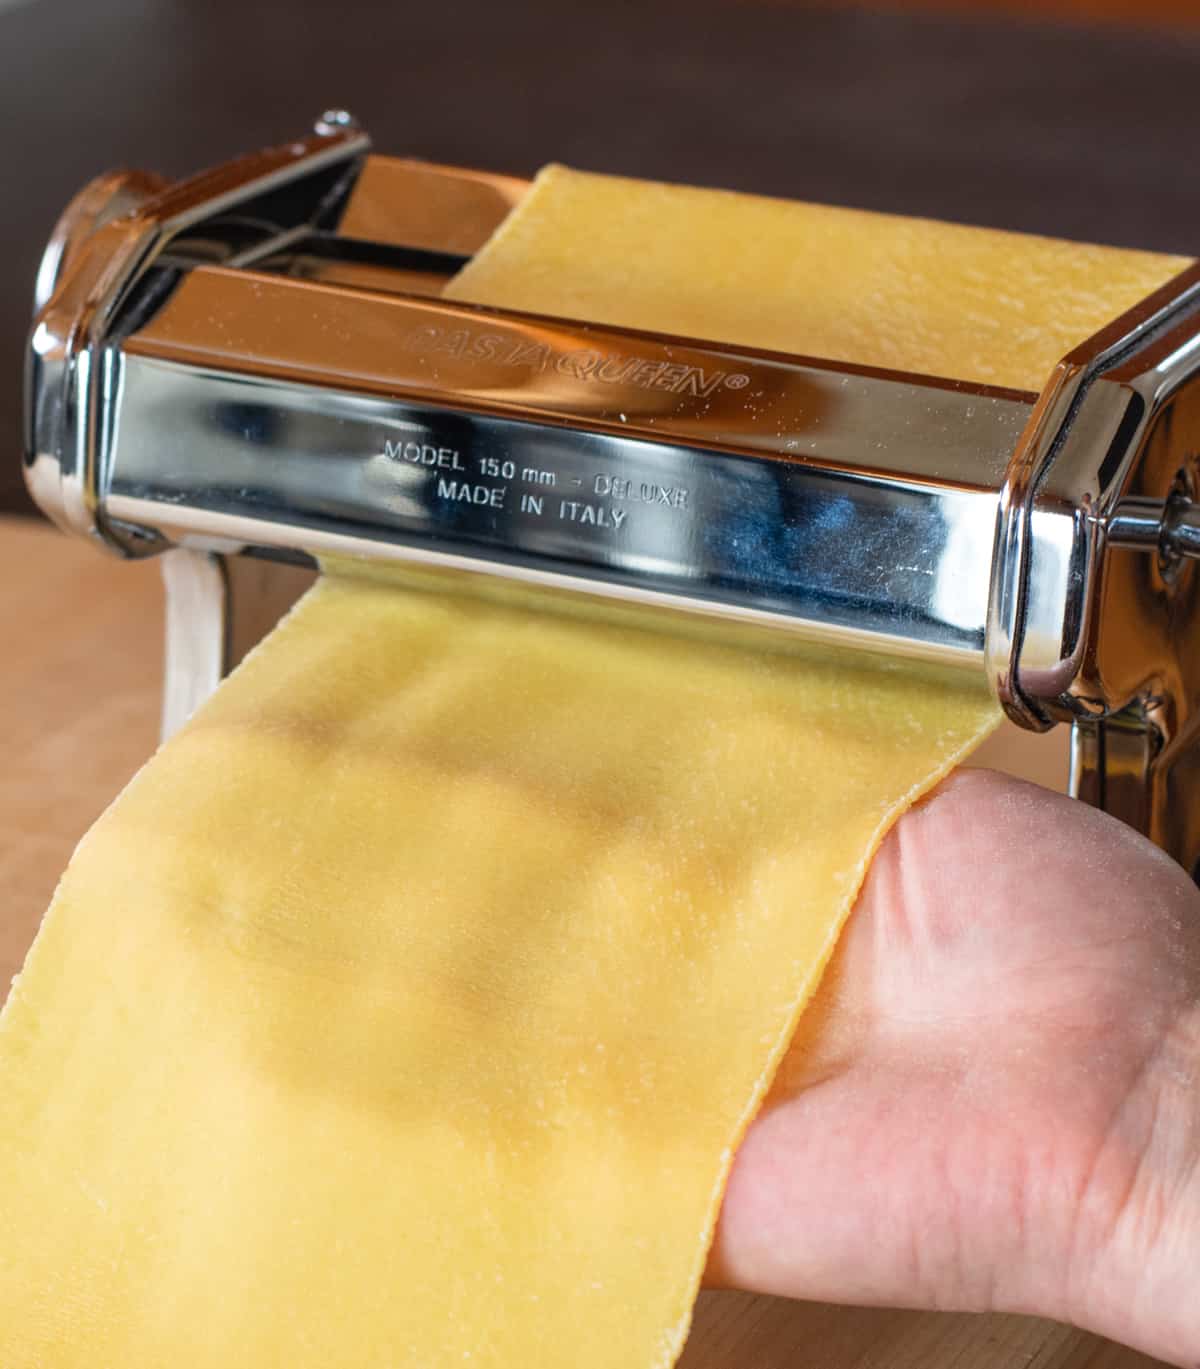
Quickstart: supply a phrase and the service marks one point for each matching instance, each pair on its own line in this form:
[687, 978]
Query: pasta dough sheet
[876, 289]
[407, 1008]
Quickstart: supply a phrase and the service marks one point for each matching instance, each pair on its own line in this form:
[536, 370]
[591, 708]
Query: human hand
[993, 1102]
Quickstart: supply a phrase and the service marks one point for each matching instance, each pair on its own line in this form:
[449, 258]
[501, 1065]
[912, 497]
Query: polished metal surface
[728, 481]
[65, 409]
[110, 196]
[257, 463]
[401, 202]
[1094, 601]
[1169, 527]
[1081, 456]
[258, 361]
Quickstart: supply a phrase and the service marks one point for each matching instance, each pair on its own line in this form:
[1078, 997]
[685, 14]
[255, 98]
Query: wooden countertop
[79, 690]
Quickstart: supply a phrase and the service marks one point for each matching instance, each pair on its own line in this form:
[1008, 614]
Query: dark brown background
[1043, 125]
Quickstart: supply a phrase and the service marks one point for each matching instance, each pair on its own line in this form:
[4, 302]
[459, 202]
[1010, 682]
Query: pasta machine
[253, 368]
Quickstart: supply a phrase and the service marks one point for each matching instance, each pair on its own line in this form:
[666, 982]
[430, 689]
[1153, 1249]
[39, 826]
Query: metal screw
[335, 121]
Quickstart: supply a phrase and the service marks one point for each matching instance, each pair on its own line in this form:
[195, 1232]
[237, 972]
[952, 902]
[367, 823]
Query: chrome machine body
[253, 369]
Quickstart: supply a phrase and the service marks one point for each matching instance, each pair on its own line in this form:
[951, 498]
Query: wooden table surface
[79, 694]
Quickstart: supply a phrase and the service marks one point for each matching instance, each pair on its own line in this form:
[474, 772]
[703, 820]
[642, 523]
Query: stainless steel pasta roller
[254, 368]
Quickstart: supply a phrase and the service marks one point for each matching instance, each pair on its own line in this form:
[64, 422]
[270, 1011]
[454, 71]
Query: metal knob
[1171, 527]
[106, 198]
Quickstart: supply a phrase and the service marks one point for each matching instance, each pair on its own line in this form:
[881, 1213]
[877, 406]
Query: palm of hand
[994, 1099]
